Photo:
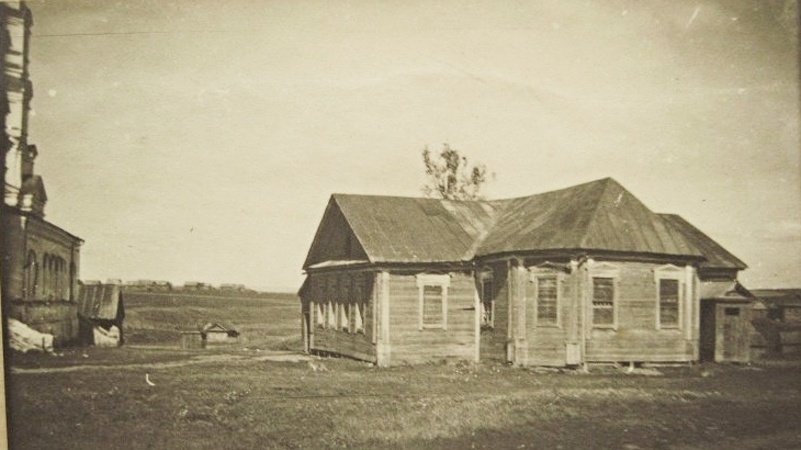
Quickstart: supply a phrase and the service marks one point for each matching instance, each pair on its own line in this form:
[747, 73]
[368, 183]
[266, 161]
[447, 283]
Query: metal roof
[405, 229]
[716, 256]
[599, 215]
[99, 301]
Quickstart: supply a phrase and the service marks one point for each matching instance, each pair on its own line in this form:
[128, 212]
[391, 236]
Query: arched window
[60, 273]
[72, 282]
[30, 275]
[57, 278]
[45, 275]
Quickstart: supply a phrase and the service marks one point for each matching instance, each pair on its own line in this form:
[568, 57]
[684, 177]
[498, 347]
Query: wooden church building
[578, 275]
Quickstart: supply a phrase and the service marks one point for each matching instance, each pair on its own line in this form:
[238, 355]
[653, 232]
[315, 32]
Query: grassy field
[257, 395]
[158, 318]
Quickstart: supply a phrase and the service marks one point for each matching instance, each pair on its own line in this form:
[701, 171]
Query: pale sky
[200, 140]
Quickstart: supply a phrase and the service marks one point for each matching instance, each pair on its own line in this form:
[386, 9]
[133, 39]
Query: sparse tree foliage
[451, 177]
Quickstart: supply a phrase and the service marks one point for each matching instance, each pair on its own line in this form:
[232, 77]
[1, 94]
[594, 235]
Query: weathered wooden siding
[342, 287]
[732, 337]
[335, 240]
[637, 337]
[493, 340]
[547, 343]
[411, 345]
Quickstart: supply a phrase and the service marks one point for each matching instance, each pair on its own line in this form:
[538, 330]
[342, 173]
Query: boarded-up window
[603, 301]
[432, 305]
[547, 300]
[487, 303]
[433, 297]
[668, 303]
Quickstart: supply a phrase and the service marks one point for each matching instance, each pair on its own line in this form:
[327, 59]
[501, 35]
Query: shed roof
[99, 301]
[730, 290]
[784, 297]
[215, 327]
[599, 215]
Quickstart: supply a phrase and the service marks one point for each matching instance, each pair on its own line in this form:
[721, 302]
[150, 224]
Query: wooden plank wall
[637, 337]
[410, 344]
[341, 287]
[732, 337]
[493, 341]
[547, 344]
[335, 240]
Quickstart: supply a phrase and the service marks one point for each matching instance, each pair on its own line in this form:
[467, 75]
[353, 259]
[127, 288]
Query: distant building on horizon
[41, 260]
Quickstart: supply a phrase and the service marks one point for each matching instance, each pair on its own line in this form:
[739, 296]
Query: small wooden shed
[101, 313]
[725, 322]
[215, 333]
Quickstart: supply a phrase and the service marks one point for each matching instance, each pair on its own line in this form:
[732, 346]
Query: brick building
[41, 260]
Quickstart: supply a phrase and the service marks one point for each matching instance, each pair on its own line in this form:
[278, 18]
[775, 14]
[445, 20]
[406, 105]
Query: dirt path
[275, 356]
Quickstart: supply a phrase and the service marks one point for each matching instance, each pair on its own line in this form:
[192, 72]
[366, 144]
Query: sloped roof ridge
[407, 197]
[552, 191]
[504, 201]
[606, 182]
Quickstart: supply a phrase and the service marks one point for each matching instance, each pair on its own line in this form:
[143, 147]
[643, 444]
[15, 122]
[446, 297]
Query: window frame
[435, 280]
[537, 274]
[669, 272]
[605, 271]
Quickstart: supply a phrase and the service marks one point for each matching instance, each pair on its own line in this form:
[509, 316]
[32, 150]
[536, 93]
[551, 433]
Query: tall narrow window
[345, 302]
[318, 297]
[343, 316]
[319, 314]
[332, 294]
[668, 303]
[72, 282]
[432, 306]
[358, 318]
[669, 295]
[45, 275]
[547, 300]
[603, 302]
[332, 315]
[31, 275]
[433, 298]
